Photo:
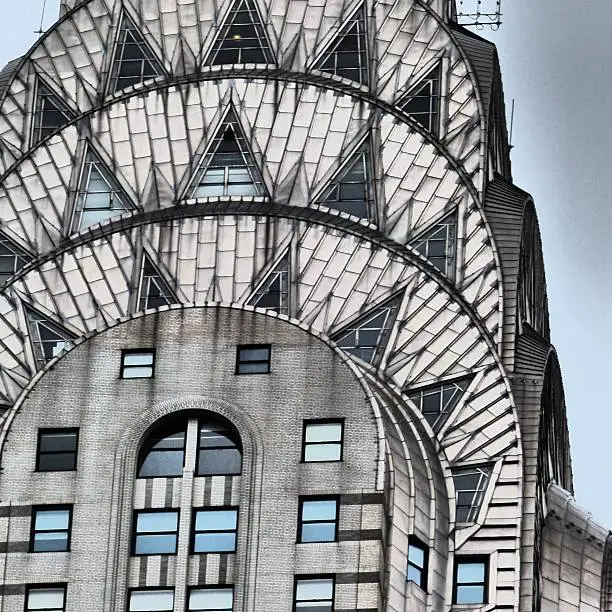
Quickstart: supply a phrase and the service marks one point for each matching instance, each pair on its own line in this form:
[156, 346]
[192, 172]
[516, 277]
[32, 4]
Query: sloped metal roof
[6, 73]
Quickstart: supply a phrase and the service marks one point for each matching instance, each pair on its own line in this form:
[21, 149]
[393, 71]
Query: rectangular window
[322, 441]
[471, 580]
[57, 450]
[214, 530]
[50, 531]
[253, 359]
[314, 593]
[318, 519]
[216, 599]
[152, 600]
[137, 363]
[417, 562]
[46, 598]
[155, 532]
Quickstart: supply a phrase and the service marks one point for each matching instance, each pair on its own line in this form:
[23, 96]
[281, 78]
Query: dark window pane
[162, 464]
[219, 461]
[50, 542]
[58, 462]
[58, 441]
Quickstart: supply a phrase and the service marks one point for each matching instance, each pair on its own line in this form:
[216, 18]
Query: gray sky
[555, 61]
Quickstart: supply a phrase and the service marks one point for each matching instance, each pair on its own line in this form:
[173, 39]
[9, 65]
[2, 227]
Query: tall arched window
[209, 445]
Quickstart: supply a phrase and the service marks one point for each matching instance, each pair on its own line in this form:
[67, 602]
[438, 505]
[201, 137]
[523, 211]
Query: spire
[243, 39]
[154, 291]
[50, 112]
[228, 169]
[351, 189]
[12, 258]
[273, 293]
[347, 54]
[48, 338]
[99, 197]
[437, 244]
[367, 337]
[134, 60]
[422, 102]
[437, 402]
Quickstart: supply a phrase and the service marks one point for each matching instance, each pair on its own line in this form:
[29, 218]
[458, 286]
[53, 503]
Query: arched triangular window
[50, 112]
[48, 338]
[470, 488]
[422, 102]
[99, 197]
[228, 168]
[367, 337]
[133, 61]
[242, 39]
[438, 244]
[154, 290]
[347, 54]
[273, 293]
[436, 402]
[12, 258]
[351, 190]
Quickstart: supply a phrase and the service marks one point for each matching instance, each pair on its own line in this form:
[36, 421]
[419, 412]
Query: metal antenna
[511, 123]
[42, 19]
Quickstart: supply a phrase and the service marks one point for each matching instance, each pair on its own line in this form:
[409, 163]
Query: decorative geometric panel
[438, 244]
[347, 54]
[48, 338]
[100, 196]
[367, 337]
[470, 488]
[243, 38]
[154, 290]
[273, 293]
[12, 258]
[50, 112]
[228, 168]
[436, 402]
[351, 189]
[422, 102]
[134, 60]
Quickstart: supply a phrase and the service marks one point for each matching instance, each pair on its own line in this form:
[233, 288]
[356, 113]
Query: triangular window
[48, 338]
[134, 61]
[99, 197]
[12, 258]
[438, 245]
[436, 402]
[273, 293]
[50, 113]
[242, 39]
[154, 290]
[351, 189]
[347, 55]
[228, 169]
[422, 102]
[368, 336]
[470, 488]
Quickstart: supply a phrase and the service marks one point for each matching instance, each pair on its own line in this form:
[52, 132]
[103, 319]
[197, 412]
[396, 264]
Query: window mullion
[191, 445]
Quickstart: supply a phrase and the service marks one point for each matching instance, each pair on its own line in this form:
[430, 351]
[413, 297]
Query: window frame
[136, 351]
[50, 508]
[239, 362]
[299, 577]
[460, 559]
[46, 430]
[300, 525]
[200, 450]
[193, 532]
[307, 422]
[415, 542]
[136, 533]
[45, 586]
[141, 589]
[209, 587]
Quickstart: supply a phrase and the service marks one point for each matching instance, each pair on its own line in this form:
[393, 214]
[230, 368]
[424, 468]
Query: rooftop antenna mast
[479, 13]
[42, 19]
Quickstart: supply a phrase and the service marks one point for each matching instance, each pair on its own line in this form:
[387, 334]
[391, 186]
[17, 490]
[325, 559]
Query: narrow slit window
[323, 441]
[51, 527]
[318, 519]
[57, 450]
[214, 530]
[418, 554]
[253, 359]
[136, 363]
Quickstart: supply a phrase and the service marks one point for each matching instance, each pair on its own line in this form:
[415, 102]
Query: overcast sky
[555, 60]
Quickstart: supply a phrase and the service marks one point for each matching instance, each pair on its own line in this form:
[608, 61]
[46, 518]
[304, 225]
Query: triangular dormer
[48, 338]
[12, 258]
[133, 60]
[438, 244]
[50, 112]
[242, 39]
[422, 101]
[153, 291]
[347, 56]
[273, 292]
